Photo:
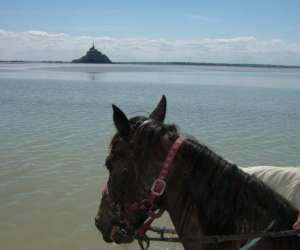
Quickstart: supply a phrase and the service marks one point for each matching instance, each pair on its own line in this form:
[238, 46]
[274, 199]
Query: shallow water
[55, 124]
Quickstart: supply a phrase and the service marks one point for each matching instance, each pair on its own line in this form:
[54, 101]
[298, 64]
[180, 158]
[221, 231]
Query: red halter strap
[158, 188]
[159, 185]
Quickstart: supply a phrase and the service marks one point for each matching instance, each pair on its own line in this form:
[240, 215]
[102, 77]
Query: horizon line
[183, 63]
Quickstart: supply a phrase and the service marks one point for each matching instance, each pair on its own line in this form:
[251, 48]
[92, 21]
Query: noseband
[147, 205]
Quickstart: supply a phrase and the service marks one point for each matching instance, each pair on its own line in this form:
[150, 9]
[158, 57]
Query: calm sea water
[55, 125]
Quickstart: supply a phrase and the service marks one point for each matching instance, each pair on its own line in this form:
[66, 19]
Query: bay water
[56, 124]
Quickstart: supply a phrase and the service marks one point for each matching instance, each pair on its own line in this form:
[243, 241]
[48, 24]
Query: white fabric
[284, 180]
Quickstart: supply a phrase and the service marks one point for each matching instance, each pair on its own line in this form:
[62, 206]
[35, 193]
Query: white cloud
[41, 45]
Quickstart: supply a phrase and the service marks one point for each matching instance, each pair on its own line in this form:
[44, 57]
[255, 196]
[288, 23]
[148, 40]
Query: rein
[144, 241]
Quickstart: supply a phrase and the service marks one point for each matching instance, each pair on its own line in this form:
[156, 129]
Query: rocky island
[93, 56]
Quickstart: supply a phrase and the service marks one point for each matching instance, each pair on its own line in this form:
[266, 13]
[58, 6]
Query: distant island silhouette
[93, 56]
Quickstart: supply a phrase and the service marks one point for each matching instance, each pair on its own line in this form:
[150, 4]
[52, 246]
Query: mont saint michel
[93, 56]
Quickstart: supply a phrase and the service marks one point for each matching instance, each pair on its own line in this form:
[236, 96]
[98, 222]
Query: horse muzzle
[104, 228]
[114, 233]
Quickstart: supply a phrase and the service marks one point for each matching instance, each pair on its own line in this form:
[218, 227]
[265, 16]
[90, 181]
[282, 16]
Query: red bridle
[158, 188]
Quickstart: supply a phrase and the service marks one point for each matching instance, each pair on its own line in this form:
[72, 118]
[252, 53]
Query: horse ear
[121, 122]
[159, 113]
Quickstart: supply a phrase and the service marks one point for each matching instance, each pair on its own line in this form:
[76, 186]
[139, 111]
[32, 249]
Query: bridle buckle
[158, 187]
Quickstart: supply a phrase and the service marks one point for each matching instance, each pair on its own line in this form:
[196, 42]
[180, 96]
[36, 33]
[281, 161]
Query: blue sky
[264, 20]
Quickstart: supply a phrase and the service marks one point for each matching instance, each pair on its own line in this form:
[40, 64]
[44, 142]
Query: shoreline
[241, 65]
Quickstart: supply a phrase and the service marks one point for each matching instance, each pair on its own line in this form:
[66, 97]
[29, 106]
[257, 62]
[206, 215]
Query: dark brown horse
[204, 195]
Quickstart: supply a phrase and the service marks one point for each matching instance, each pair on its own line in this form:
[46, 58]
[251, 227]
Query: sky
[232, 31]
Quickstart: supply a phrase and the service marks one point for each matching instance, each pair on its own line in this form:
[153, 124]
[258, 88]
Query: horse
[203, 193]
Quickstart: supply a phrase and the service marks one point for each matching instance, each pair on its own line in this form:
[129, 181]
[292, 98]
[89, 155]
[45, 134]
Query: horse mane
[229, 200]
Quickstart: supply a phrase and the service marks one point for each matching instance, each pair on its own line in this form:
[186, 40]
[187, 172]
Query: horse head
[136, 153]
